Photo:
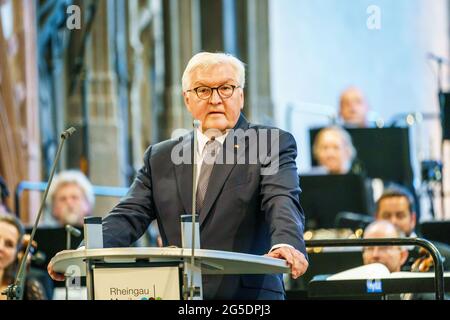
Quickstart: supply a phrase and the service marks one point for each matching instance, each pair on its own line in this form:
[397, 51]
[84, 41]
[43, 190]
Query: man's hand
[295, 259]
[53, 274]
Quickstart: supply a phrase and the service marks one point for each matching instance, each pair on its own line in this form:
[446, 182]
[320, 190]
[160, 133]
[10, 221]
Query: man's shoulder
[265, 128]
[165, 147]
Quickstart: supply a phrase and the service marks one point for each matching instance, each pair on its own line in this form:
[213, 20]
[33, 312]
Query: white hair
[346, 139]
[207, 59]
[384, 226]
[71, 177]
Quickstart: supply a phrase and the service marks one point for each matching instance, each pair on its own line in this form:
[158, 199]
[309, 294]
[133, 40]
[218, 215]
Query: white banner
[145, 283]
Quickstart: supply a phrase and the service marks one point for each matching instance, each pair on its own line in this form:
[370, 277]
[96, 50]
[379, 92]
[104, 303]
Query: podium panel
[151, 282]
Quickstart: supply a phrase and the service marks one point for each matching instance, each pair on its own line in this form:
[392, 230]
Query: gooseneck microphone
[66, 134]
[196, 125]
[15, 290]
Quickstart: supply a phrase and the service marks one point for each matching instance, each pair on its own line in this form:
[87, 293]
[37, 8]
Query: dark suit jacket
[243, 211]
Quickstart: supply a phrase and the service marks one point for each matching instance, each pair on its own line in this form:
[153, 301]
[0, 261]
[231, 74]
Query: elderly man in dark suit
[245, 204]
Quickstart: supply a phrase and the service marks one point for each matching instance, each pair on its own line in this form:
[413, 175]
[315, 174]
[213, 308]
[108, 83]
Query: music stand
[323, 197]
[436, 231]
[383, 152]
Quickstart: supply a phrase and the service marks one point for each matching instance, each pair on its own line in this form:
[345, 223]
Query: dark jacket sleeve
[280, 193]
[131, 217]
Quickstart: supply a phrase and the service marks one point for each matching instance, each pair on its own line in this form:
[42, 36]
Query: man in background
[393, 257]
[70, 198]
[353, 108]
[397, 206]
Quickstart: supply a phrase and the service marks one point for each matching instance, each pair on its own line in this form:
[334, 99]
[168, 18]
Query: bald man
[393, 257]
[353, 108]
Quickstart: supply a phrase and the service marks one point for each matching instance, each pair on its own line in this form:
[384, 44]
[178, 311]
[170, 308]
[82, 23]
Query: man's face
[353, 108]
[70, 205]
[332, 153]
[393, 257]
[396, 210]
[9, 236]
[216, 112]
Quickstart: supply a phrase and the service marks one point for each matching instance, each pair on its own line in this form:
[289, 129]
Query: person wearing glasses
[243, 206]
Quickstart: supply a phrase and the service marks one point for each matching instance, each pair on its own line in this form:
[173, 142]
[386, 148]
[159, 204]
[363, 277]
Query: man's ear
[413, 220]
[340, 110]
[186, 101]
[242, 97]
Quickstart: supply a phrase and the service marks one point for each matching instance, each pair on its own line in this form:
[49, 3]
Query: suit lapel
[183, 173]
[221, 172]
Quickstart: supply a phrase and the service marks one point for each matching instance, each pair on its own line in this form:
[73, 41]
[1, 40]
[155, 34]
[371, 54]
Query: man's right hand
[53, 274]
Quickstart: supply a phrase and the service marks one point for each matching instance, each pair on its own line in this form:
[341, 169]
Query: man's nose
[215, 97]
[394, 221]
[376, 252]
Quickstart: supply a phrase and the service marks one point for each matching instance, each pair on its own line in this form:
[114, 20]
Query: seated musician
[334, 151]
[393, 257]
[70, 199]
[11, 236]
[397, 205]
[353, 108]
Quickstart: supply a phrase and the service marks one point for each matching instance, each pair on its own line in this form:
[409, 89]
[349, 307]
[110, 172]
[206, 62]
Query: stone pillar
[99, 150]
[20, 157]
[259, 102]
[181, 42]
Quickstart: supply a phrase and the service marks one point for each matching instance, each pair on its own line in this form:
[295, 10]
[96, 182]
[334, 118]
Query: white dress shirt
[201, 143]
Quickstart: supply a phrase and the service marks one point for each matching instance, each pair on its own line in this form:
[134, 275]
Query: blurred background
[112, 69]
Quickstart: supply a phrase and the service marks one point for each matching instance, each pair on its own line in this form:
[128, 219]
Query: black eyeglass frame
[212, 90]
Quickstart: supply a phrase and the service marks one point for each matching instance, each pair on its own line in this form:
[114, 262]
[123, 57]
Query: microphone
[15, 290]
[437, 58]
[73, 231]
[67, 133]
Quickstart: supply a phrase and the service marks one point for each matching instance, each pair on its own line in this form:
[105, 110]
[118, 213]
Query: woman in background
[11, 241]
[334, 150]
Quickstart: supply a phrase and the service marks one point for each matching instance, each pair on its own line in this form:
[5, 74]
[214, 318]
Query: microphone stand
[196, 125]
[441, 97]
[15, 290]
[70, 231]
[80, 77]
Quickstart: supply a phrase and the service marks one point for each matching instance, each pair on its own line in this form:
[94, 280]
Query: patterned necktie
[211, 150]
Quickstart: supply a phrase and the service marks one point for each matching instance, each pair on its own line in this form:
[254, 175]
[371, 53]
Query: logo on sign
[374, 286]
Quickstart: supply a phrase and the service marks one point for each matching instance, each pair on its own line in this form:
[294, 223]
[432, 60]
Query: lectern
[153, 273]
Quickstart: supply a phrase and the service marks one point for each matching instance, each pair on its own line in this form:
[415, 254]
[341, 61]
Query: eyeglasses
[225, 91]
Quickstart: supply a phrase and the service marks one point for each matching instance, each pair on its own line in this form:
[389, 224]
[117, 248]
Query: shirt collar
[413, 235]
[203, 139]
